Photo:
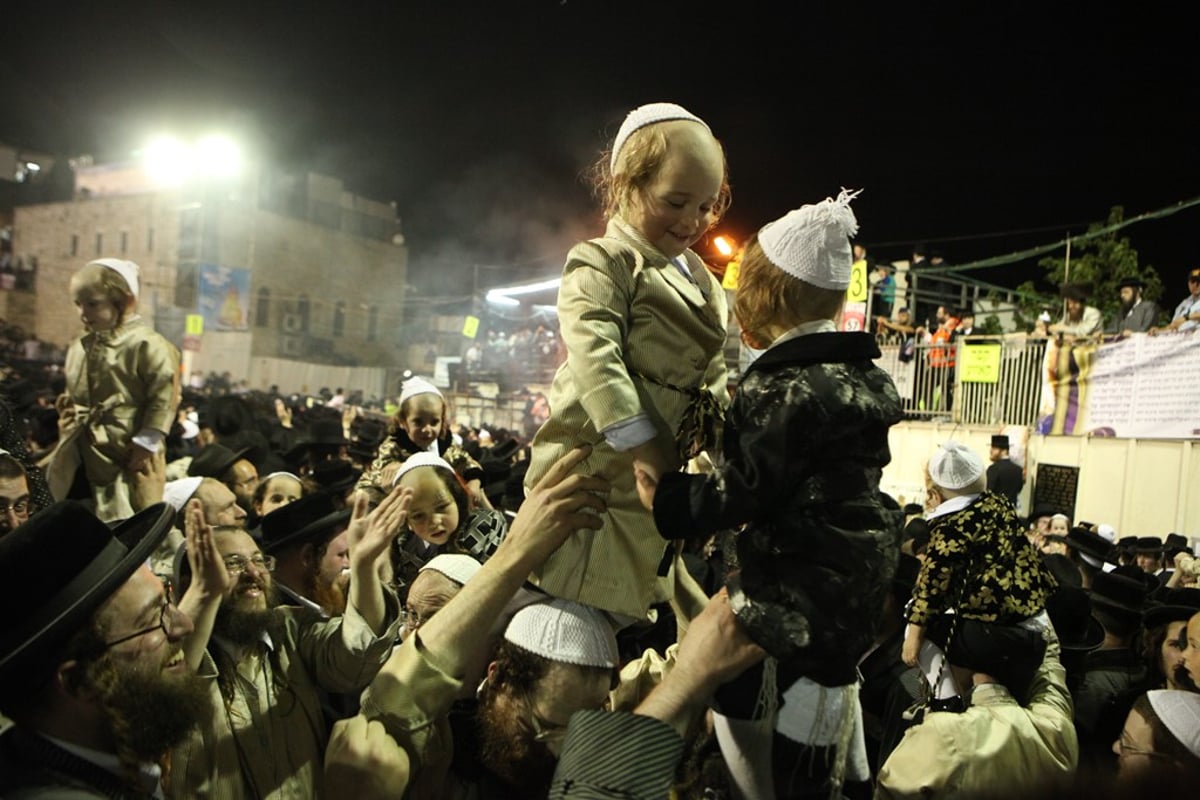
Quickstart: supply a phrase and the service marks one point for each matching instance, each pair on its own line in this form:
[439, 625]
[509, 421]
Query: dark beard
[151, 713]
[508, 750]
[1183, 680]
[1125, 307]
[243, 626]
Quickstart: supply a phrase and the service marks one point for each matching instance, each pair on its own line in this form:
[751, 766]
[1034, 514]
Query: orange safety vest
[943, 356]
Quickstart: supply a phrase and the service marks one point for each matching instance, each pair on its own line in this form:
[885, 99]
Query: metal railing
[934, 386]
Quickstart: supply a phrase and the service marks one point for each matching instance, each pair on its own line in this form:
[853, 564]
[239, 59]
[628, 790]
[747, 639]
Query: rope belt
[701, 419]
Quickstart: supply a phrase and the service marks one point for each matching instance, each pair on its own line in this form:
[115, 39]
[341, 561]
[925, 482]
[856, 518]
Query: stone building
[279, 266]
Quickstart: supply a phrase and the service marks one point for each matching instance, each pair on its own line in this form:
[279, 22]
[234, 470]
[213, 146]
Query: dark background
[978, 132]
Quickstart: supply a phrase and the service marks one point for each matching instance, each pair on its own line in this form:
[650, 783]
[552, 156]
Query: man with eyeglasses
[92, 670]
[273, 663]
[14, 493]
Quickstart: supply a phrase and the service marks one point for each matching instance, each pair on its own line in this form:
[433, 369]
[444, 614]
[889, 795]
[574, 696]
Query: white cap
[456, 566]
[415, 386]
[422, 459]
[126, 269]
[812, 242]
[176, 493]
[1107, 531]
[190, 429]
[566, 632]
[645, 115]
[1180, 713]
[955, 465]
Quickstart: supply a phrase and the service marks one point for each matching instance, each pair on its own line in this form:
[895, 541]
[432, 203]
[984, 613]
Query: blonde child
[644, 324]
[441, 519]
[421, 425]
[805, 444]
[121, 395]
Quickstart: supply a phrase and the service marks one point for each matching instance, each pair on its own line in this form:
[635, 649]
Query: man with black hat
[1003, 476]
[230, 467]
[1136, 314]
[273, 664]
[1113, 670]
[93, 671]
[1015, 733]
[1078, 319]
[308, 539]
[1149, 555]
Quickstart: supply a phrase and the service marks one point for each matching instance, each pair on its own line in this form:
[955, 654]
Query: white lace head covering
[812, 242]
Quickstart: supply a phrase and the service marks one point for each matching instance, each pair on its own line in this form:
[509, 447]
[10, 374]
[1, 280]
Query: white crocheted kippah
[566, 632]
[176, 493]
[645, 115]
[415, 386]
[812, 242]
[422, 459]
[955, 465]
[126, 269]
[457, 567]
[1180, 713]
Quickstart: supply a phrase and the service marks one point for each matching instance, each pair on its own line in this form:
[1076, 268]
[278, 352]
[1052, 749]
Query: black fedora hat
[1000, 441]
[1122, 593]
[80, 562]
[1174, 543]
[322, 431]
[1178, 603]
[1087, 542]
[1133, 283]
[1009, 652]
[1064, 570]
[1070, 611]
[335, 475]
[1149, 544]
[1075, 291]
[214, 460]
[300, 521]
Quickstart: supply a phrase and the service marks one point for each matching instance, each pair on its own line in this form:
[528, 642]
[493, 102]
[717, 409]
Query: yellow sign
[195, 324]
[471, 327]
[730, 281]
[979, 363]
[857, 291]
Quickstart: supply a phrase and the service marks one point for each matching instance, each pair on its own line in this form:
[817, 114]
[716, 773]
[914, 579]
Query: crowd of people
[670, 591]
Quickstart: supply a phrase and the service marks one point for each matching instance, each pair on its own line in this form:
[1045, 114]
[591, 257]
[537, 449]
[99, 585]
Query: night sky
[976, 132]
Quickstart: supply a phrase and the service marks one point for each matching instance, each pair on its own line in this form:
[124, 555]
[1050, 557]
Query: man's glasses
[236, 565]
[168, 601]
[20, 507]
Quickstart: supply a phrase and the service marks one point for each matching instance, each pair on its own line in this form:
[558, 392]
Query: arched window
[262, 309]
[339, 318]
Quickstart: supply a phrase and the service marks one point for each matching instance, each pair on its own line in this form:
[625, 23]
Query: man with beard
[312, 563]
[14, 493]
[273, 663]
[1136, 315]
[93, 671]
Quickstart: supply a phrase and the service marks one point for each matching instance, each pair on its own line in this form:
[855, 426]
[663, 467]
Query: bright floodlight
[723, 246]
[218, 157]
[499, 299]
[168, 161]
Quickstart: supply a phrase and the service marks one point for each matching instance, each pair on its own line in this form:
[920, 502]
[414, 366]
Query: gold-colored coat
[631, 322]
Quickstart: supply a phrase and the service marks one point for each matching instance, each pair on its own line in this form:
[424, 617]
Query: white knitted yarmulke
[176, 493]
[1180, 713]
[955, 465]
[416, 386]
[812, 242]
[126, 269]
[566, 632]
[645, 115]
[458, 567]
[422, 459]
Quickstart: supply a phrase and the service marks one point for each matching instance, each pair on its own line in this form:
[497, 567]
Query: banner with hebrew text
[1144, 387]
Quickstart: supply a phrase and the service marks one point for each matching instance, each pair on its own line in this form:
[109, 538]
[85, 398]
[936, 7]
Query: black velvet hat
[59, 566]
[1070, 611]
[302, 520]
[214, 460]
[1009, 653]
[1177, 604]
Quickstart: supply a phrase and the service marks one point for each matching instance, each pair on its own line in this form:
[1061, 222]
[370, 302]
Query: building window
[99, 244]
[124, 242]
[302, 310]
[74, 244]
[262, 308]
[339, 318]
[372, 322]
[150, 241]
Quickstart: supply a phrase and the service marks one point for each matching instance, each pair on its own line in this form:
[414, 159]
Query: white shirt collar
[952, 505]
[804, 329]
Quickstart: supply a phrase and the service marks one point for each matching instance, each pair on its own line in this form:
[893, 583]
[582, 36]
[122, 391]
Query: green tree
[1100, 259]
